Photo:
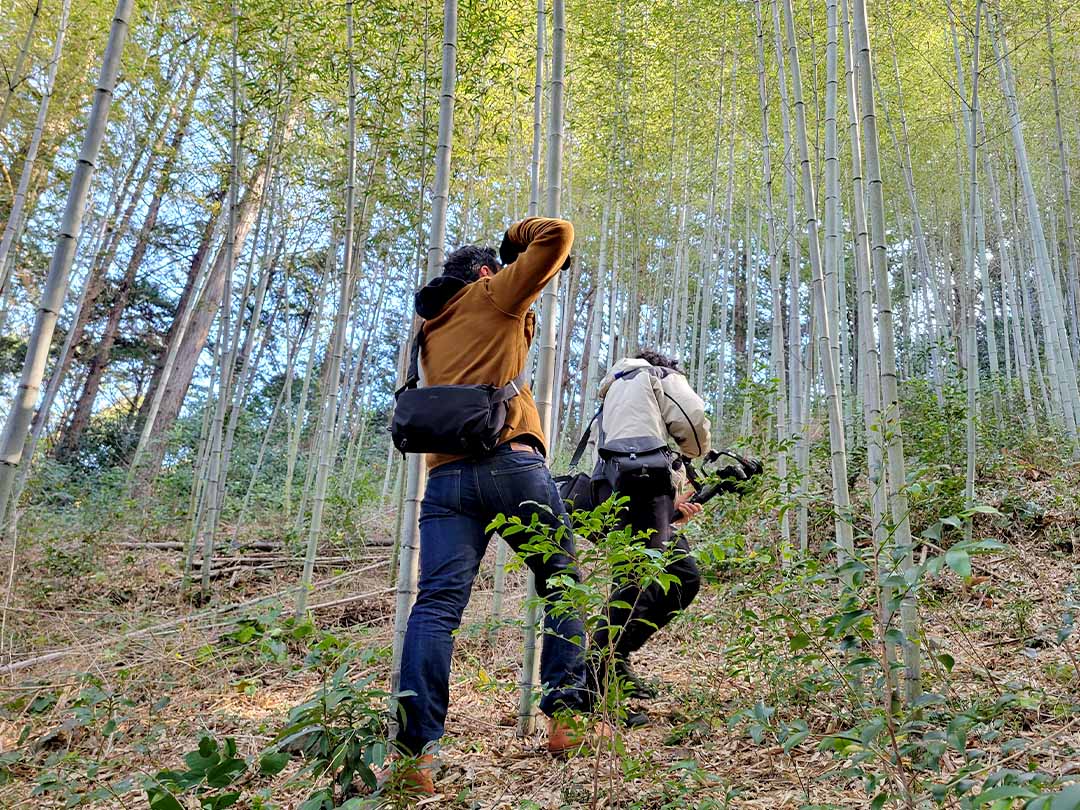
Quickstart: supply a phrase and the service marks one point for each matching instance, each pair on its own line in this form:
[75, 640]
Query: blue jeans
[462, 498]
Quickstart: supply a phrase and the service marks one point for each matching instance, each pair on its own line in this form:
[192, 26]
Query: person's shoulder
[485, 300]
[673, 378]
[676, 384]
[474, 304]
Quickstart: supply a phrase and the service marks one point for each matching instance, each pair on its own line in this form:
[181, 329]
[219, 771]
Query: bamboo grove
[216, 214]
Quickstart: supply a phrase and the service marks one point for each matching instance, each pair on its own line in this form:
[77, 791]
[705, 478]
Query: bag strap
[691, 473]
[629, 374]
[412, 375]
[583, 442]
[686, 416]
[655, 371]
[506, 392]
[414, 357]
[512, 388]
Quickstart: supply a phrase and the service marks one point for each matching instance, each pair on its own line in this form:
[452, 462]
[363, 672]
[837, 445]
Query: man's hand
[509, 250]
[686, 507]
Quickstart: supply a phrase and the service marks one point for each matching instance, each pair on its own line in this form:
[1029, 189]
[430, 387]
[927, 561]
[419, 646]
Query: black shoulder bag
[459, 420]
[576, 489]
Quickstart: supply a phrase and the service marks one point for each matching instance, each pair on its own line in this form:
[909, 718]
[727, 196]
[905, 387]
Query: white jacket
[656, 403]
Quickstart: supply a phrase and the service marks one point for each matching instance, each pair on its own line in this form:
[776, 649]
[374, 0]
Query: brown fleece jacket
[483, 332]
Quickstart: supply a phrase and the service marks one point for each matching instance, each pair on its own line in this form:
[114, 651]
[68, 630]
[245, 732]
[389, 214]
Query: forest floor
[115, 706]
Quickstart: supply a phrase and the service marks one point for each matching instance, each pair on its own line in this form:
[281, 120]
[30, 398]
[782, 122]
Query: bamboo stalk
[545, 372]
[415, 472]
[329, 403]
[896, 480]
[56, 283]
[838, 449]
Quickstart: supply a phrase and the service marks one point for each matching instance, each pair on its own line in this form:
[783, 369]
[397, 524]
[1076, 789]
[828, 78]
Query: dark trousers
[650, 608]
[461, 499]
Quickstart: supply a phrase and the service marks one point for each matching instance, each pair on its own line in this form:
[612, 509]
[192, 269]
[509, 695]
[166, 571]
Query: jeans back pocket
[443, 489]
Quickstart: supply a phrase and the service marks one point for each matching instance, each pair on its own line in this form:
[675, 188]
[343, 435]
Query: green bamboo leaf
[800, 641]
[959, 561]
[1002, 792]
[225, 773]
[163, 800]
[794, 740]
[273, 762]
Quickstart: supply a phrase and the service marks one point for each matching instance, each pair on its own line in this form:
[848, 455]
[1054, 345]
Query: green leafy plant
[211, 775]
[269, 636]
[340, 732]
[609, 558]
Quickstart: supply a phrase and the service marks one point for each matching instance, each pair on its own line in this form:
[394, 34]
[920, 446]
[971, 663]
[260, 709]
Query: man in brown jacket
[477, 330]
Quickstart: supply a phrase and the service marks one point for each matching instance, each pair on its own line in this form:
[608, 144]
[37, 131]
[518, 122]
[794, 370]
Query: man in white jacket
[646, 402]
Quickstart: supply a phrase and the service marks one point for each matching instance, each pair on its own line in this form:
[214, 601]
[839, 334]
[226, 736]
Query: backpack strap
[630, 373]
[655, 371]
[583, 442]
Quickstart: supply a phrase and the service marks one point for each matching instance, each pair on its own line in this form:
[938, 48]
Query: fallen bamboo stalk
[26, 663]
[349, 599]
[261, 545]
[277, 561]
[216, 573]
[170, 545]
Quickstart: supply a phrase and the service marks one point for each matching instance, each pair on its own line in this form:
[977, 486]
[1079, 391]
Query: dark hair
[465, 262]
[657, 359]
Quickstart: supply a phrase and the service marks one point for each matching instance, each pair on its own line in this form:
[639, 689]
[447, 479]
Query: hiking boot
[634, 719]
[564, 738]
[634, 686]
[413, 776]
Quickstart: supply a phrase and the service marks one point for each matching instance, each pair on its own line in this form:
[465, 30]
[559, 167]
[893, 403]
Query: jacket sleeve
[547, 244]
[684, 414]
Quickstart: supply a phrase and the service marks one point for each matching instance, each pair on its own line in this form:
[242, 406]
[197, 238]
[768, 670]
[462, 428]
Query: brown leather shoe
[416, 777]
[562, 738]
[565, 738]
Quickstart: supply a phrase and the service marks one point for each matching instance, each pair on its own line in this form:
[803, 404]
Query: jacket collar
[436, 294]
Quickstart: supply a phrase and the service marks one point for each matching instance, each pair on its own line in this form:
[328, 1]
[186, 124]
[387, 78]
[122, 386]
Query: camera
[713, 479]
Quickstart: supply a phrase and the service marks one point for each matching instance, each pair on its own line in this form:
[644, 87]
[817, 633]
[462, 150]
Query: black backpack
[459, 420]
[626, 464]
